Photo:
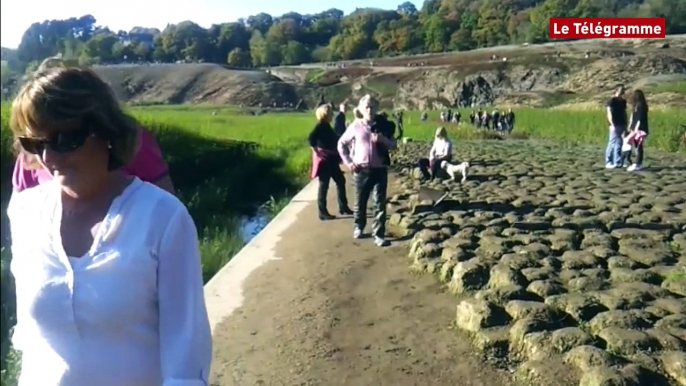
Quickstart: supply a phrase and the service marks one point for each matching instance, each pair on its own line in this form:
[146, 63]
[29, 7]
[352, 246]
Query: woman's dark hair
[638, 99]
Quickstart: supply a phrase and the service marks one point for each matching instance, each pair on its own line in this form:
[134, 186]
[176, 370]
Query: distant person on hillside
[107, 268]
[326, 162]
[496, 119]
[510, 120]
[371, 138]
[638, 126]
[442, 150]
[399, 124]
[424, 116]
[339, 123]
[617, 120]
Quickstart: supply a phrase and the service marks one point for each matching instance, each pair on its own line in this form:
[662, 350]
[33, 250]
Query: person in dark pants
[617, 120]
[639, 126]
[371, 139]
[399, 125]
[326, 162]
[339, 122]
[442, 150]
[510, 120]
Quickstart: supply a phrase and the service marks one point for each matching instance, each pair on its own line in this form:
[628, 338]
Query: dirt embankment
[545, 75]
[196, 83]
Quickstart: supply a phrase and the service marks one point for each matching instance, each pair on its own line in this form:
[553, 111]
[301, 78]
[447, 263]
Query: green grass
[563, 126]
[219, 178]
[678, 87]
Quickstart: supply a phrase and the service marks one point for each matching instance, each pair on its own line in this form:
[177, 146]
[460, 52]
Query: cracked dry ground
[567, 273]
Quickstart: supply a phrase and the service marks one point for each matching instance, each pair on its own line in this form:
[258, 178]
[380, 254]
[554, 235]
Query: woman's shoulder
[160, 201]
[31, 199]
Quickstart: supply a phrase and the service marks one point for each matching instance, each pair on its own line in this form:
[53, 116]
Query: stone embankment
[565, 272]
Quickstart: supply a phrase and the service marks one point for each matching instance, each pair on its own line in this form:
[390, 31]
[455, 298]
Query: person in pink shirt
[369, 163]
[147, 165]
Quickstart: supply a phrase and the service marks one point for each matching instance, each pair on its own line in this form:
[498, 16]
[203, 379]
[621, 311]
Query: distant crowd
[502, 121]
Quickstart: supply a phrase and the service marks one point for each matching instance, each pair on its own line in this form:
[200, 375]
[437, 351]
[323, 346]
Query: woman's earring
[109, 145]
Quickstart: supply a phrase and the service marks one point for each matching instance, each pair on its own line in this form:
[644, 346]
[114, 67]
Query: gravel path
[337, 311]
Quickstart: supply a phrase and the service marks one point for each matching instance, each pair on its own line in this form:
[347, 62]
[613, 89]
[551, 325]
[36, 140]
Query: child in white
[627, 141]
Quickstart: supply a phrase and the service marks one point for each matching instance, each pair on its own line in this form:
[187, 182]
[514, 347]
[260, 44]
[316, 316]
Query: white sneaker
[357, 233]
[381, 242]
[634, 168]
[610, 166]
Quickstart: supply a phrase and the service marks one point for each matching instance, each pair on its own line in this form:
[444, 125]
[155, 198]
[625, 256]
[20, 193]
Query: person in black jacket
[639, 122]
[339, 125]
[326, 162]
[385, 126]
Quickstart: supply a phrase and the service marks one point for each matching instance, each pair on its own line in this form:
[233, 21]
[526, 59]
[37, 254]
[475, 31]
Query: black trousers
[331, 171]
[366, 181]
[431, 171]
[626, 157]
[639, 153]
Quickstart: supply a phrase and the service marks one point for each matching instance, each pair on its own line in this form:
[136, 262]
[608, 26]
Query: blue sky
[18, 15]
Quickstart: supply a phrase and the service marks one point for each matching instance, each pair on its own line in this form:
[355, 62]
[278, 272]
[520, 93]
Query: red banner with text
[635, 28]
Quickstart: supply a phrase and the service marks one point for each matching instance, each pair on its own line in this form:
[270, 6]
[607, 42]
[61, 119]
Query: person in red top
[147, 165]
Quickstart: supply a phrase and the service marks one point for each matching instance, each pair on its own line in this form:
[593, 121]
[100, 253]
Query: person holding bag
[326, 162]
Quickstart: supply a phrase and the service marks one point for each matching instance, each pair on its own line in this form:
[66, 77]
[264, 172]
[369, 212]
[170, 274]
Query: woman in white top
[107, 268]
[442, 150]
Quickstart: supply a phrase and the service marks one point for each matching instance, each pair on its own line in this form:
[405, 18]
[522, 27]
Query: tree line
[293, 38]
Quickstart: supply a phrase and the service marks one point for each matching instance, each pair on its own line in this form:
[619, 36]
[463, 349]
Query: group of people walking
[496, 120]
[502, 121]
[627, 132]
[364, 148]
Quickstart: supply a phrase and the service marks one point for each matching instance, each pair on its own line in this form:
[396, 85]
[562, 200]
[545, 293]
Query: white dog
[452, 170]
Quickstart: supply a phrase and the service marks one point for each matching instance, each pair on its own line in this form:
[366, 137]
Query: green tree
[263, 52]
[436, 37]
[99, 49]
[294, 53]
[674, 12]
[238, 58]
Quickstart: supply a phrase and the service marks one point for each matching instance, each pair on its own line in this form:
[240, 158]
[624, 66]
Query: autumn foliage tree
[293, 38]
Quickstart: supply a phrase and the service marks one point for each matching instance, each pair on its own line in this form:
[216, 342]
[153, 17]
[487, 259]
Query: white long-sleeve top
[440, 148]
[131, 312]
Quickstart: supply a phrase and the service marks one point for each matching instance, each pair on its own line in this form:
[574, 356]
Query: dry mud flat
[567, 273]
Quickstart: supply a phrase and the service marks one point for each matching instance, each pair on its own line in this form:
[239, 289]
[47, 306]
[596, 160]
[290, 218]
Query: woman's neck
[110, 182]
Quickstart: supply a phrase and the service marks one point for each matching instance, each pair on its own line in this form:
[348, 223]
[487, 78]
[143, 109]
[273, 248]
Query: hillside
[196, 83]
[551, 74]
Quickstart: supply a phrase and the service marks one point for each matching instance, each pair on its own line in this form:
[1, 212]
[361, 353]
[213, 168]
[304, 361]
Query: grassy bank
[565, 126]
[225, 161]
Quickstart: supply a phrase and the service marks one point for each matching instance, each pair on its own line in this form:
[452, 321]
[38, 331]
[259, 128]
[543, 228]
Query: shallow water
[252, 225]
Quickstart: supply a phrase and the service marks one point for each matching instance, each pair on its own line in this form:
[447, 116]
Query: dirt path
[336, 311]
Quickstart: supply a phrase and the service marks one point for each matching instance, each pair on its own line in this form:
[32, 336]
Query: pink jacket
[637, 137]
[364, 153]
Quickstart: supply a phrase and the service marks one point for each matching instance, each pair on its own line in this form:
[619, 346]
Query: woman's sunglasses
[64, 142]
